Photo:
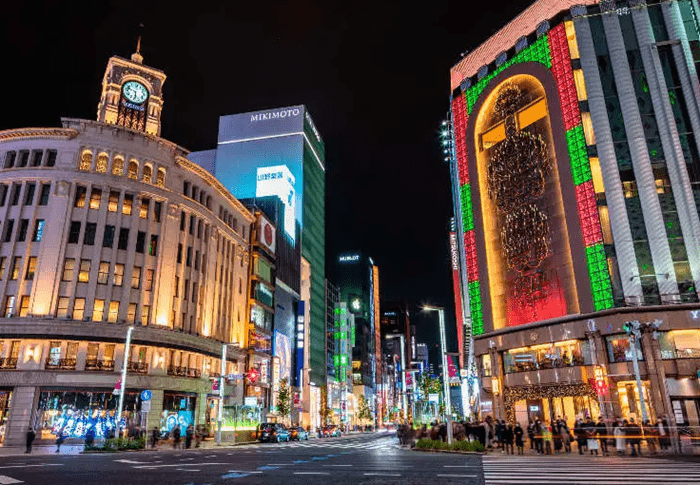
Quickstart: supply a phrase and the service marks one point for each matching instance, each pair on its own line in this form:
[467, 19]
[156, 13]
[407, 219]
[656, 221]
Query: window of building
[98, 311]
[128, 204]
[37, 155]
[45, 193]
[113, 311]
[140, 241]
[145, 314]
[188, 260]
[196, 260]
[9, 227]
[29, 191]
[136, 277]
[102, 163]
[179, 253]
[9, 306]
[194, 292]
[182, 220]
[147, 174]
[118, 274]
[199, 229]
[3, 263]
[108, 354]
[68, 268]
[24, 306]
[80, 193]
[38, 230]
[95, 198]
[103, 273]
[546, 356]
[108, 237]
[131, 313]
[123, 238]
[14, 197]
[680, 344]
[133, 170]
[118, 166]
[186, 295]
[192, 222]
[62, 311]
[113, 203]
[240, 285]
[177, 285]
[620, 350]
[85, 161]
[14, 269]
[160, 177]
[74, 233]
[157, 208]
[31, 268]
[22, 231]
[84, 271]
[153, 247]
[90, 231]
[3, 194]
[23, 158]
[10, 159]
[145, 206]
[51, 158]
[186, 188]
[79, 309]
[148, 284]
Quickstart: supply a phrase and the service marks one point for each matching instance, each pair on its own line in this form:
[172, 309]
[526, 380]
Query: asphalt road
[360, 459]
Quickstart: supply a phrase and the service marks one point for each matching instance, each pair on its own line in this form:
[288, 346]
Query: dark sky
[374, 76]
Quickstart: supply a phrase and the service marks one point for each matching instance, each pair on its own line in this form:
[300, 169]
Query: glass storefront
[630, 402]
[680, 344]
[178, 410]
[5, 401]
[549, 409]
[619, 349]
[546, 356]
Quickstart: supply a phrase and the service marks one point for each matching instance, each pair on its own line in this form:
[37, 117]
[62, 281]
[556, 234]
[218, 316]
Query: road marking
[234, 475]
[133, 462]
[26, 466]
[311, 473]
[186, 470]
[318, 458]
[382, 474]
[5, 480]
[296, 462]
[268, 467]
[459, 466]
[457, 476]
[337, 465]
[179, 464]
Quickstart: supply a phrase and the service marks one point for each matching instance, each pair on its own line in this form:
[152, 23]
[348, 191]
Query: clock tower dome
[132, 94]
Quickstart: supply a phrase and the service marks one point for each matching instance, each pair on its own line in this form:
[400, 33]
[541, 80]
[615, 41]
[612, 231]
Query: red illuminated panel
[561, 69]
[470, 253]
[534, 298]
[459, 113]
[588, 213]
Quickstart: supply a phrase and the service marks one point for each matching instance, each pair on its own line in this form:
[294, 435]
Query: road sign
[146, 395]
[146, 406]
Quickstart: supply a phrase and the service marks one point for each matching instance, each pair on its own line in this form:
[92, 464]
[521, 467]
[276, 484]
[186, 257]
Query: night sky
[374, 76]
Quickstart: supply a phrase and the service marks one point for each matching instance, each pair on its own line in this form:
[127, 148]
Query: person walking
[663, 434]
[634, 437]
[518, 434]
[176, 437]
[650, 433]
[619, 434]
[539, 438]
[601, 431]
[590, 429]
[508, 436]
[556, 436]
[500, 428]
[580, 434]
[189, 435]
[565, 435]
[531, 435]
[547, 438]
[31, 434]
[154, 437]
[59, 440]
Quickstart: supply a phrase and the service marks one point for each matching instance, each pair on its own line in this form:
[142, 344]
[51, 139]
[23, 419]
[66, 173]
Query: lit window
[571, 39]
[80, 193]
[118, 166]
[3, 263]
[68, 267]
[24, 306]
[95, 198]
[147, 174]
[145, 206]
[62, 311]
[113, 311]
[148, 284]
[85, 161]
[588, 131]
[79, 309]
[133, 170]
[103, 273]
[145, 314]
[128, 203]
[597, 175]
[113, 201]
[136, 277]
[580, 85]
[160, 179]
[131, 313]
[98, 311]
[630, 189]
[38, 230]
[118, 274]
[153, 247]
[14, 270]
[9, 306]
[102, 162]
[84, 273]
[31, 268]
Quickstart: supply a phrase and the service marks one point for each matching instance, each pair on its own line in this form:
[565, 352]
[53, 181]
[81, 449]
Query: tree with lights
[365, 413]
[284, 399]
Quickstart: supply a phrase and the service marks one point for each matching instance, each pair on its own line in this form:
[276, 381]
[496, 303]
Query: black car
[273, 432]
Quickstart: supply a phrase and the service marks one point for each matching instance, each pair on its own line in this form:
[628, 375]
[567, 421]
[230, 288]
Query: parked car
[298, 433]
[331, 431]
[273, 432]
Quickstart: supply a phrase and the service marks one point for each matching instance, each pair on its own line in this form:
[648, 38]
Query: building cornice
[37, 133]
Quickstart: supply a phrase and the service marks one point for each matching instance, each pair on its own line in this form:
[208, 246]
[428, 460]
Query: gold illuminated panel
[528, 257]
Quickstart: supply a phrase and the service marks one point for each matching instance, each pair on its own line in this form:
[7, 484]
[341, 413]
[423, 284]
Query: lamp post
[125, 364]
[445, 370]
[220, 414]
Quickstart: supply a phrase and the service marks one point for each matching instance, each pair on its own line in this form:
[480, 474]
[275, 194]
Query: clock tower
[132, 94]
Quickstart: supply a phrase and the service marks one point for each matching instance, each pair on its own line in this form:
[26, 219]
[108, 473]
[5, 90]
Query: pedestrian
[663, 434]
[90, 436]
[634, 437]
[189, 435]
[547, 437]
[508, 437]
[531, 435]
[539, 438]
[518, 433]
[601, 431]
[154, 437]
[590, 429]
[565, 435]
[619, 434]
[651, 436]
[176, 437]
[59, 440]
[197, 437]
[580, 434]
[31, 434]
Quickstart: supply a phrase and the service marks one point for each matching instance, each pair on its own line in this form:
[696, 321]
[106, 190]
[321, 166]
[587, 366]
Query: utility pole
[220, 416]
[125, 364]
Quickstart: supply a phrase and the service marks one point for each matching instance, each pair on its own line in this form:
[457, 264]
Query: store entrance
[569, 402]
[5, 400]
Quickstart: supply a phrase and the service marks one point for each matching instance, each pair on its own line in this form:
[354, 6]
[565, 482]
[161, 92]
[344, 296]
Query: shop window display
[178, 410]
[630, 403]
[547, 356]
[680, 344]
[619, 349]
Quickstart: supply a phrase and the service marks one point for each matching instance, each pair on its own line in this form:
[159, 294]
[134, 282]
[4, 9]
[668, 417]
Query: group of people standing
[176, 434]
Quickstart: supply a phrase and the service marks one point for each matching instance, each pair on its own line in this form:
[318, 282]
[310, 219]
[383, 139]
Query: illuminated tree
[284, 401]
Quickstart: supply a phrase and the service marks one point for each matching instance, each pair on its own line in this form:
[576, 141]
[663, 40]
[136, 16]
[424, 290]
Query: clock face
[135, 92]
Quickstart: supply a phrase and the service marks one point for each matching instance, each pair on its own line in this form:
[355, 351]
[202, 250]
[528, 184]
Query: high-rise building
[279, 153]
[577, 186]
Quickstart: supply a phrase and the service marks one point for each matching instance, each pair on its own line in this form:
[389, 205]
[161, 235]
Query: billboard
[283, 351]
[261, 154]
[458, 294]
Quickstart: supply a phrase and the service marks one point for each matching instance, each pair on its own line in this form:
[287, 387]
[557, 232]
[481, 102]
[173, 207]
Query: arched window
[160, 178]
[147, 173]
[133, 170]
[102, 162]
[85, 161]
[118, 166]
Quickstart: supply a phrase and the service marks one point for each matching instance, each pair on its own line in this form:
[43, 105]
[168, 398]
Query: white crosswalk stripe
[587, 470]
[344, 444]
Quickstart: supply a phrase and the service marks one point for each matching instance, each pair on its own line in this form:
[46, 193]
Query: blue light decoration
[76, 424]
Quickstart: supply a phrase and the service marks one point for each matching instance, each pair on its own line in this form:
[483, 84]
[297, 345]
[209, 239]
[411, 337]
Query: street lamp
[220, 414]
[125, 364]
[445, 370]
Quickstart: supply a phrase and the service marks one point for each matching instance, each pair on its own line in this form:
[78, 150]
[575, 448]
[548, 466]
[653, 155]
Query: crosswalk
[587, 470]
[345, 444]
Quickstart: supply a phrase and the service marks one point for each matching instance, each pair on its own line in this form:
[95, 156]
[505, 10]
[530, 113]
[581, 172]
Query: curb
[431, 450]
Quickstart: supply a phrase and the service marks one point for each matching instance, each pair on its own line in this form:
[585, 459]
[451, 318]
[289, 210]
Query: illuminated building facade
[105, 225]
[576, 182]
[279, 153]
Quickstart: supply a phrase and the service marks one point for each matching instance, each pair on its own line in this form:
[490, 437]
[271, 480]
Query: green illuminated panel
[580, 166]
[465, 195]
[601, 288]
[475, 308]
[536, 52]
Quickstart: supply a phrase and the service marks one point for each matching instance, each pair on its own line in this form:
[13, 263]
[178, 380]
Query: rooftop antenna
[136, 56]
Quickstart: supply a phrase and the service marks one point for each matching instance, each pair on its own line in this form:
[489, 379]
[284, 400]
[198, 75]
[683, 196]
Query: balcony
[8, 363]
[60, 364]
[99, 365]
[184, 371]
[137, 367]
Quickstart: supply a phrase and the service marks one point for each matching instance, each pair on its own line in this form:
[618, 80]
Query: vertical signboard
[300, 324]
[458, 299]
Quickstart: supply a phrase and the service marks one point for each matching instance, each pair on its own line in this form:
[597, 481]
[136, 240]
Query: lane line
[456, 476]
[179, 464]
[311, 473]
[27, 466]
[382, 474]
